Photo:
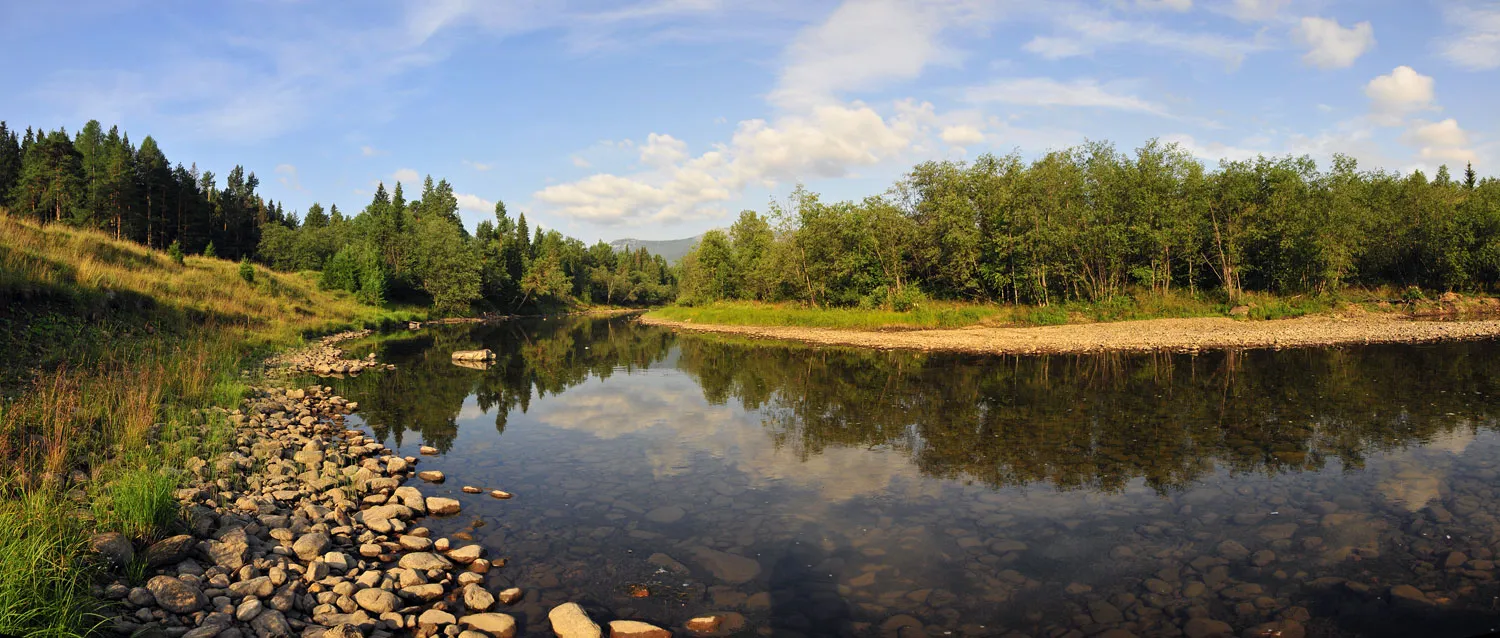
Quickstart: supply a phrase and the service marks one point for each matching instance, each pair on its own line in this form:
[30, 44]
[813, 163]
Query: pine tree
[10, 162]
[152, 175]
[315, 217]
[1471, 179]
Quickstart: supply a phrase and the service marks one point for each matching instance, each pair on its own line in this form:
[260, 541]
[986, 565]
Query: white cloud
[863, 45]
[663, 150]
[1093, 32]
[1174, 5]
[1212, 150]
[478, 166]
[370, 151]
[1257, 10]
[580, 162]
[287, 175]
[1401, 92]
[474, 203]
[406, 175]
[1476, 46]
[1440, 141]
[962, 135]
[826, 142]
[1049, 92]
[1331, 46]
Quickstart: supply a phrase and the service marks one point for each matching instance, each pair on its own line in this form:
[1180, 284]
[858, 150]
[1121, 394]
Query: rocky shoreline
[1149, 335]
[325, 358]
[305, 527]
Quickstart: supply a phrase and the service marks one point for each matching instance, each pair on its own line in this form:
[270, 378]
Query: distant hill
[670, 249]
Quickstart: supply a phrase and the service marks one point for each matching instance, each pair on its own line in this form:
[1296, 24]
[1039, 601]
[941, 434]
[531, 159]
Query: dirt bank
[1148, 335]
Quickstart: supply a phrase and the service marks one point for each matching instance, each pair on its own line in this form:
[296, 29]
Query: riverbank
[1202, 333]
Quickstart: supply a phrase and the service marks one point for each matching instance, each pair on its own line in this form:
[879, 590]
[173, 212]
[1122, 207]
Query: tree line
[393, 249]
[1093, 223]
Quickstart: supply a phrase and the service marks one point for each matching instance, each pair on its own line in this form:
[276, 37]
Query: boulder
[311, 546]
[477, 598]
[636, 629]
[570, 621]
[730, 568]
[377, 601]
[424, 561]
[176, 596]
[497, 625]
[439, 506]
[114, 548]
[168, 551]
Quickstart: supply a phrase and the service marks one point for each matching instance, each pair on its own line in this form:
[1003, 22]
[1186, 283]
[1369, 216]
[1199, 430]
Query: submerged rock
[570, 621]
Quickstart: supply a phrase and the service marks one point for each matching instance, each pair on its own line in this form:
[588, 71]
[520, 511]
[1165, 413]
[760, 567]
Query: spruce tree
[1471, 179]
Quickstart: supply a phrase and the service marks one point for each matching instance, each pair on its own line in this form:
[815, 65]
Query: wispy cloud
[478, 166]
[1049, 92]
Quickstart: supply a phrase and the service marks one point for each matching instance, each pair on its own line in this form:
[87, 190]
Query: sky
[659, 119]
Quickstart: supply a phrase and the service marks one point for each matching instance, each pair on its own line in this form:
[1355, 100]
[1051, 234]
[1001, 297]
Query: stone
[311, 546]
[470, 489]
[343, 630]
[412, 498]
[1207, 628]
[338, 561]
[668, 514]
[1277, 532]
[432, 476]
[636, 629]
[114, 547]
[140, 597]
[176, 596]
[500, 494]
[436, 617]
[510, 596]
[424, 561]
[1410, 598]
[249, 609]
[901, 626]
[439, 506]
[377, 601]
[477, 598]
[168, 551]
[1004, 546]
[1455, 560]
[570, 621]
[730, 568]
[427, 592]
[271, 624]
[427, 449]
[414, 543]
[230, 550]
[497, 625]
[668, 563]
[1232, 550]
[466, 554]
[1285, 628]
[1105, 613]
[704, 624]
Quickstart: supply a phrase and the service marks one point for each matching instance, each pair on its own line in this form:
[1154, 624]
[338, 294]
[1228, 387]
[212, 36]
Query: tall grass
[108, 354]
[139, 503]
[44, 568]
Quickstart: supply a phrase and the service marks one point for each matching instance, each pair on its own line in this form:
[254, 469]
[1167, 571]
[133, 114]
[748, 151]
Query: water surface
[820, 491]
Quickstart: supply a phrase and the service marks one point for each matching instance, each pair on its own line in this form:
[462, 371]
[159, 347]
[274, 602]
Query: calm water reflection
[823, 491]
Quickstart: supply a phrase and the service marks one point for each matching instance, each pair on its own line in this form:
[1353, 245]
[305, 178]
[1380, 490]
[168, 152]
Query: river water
[818, 491]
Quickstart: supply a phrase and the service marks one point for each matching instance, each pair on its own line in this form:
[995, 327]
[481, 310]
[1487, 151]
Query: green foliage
[44, 570]
[247, 270]
[341, 272]
[175, 252]
[1091, 225]
[210, 251]
[138, 503]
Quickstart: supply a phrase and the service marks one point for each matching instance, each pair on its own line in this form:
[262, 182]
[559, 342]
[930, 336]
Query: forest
[1095, 224]
[414, 251]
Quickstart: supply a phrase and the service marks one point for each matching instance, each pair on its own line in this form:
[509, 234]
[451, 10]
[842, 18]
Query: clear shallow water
[826, 491]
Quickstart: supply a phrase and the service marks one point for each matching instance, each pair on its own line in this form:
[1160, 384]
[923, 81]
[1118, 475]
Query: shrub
[247, 270]
[209, 251]
[175, 252]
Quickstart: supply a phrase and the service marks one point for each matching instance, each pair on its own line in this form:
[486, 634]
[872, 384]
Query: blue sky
[662, 118]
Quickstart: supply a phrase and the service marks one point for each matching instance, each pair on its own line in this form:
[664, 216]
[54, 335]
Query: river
[824, 491]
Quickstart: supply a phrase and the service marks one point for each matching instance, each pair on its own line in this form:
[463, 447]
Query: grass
[110, 354]
[1136, 306]
[138, 503]
[44, 573]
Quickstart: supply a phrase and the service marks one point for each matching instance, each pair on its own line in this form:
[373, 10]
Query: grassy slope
[957, 315]
[108, 352]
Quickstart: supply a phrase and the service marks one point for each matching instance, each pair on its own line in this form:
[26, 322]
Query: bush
[175, 252]
[1413, 293]
[247, 270]
[341, 272]
[209, 251]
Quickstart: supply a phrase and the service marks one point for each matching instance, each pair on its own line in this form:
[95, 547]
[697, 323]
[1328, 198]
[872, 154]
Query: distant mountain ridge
[670, 249]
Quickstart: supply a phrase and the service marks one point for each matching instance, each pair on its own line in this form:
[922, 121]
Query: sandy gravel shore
[1149, 335]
